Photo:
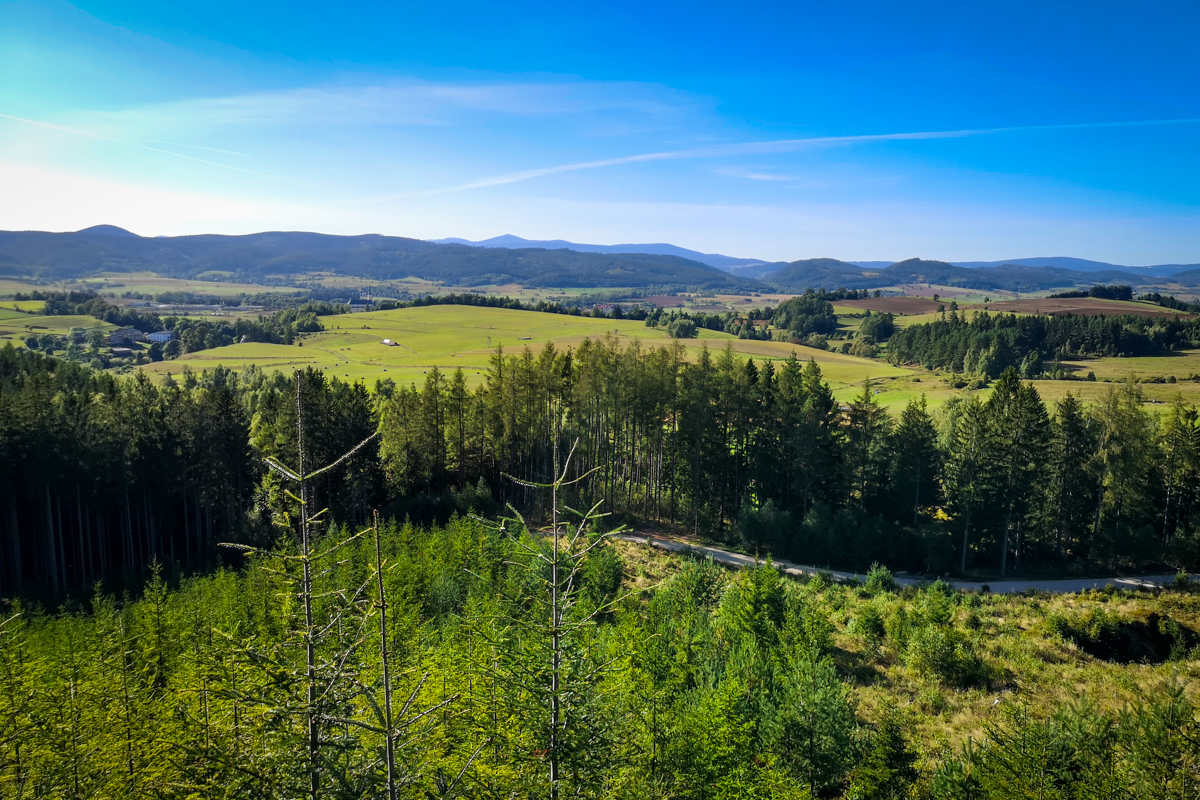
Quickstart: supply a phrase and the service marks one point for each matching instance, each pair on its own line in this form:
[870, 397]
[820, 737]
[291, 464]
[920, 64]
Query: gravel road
[1065, 586]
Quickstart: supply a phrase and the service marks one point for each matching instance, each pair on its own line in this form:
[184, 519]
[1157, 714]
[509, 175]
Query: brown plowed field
[1078, 305]
[895, 305]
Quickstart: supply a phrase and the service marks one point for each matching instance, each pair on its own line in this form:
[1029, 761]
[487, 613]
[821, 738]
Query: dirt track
[1066, 586]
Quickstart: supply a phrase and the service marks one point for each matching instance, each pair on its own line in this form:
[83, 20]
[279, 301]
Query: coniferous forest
[104, 475]
[263, 585]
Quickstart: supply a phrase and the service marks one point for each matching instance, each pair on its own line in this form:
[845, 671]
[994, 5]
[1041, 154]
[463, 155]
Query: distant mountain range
[1007, 276]
[510, 259]
[756, 268]
[258, 256]
[728, 263]
[1083, 265]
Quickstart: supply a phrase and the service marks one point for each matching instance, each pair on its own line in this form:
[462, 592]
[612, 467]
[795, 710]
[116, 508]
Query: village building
[126, 336]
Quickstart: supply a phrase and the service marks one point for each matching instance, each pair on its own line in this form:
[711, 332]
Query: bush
[602, 575]
[946, 653]
[816, 341]
[863, 348]
[766, 526]
[868, 623]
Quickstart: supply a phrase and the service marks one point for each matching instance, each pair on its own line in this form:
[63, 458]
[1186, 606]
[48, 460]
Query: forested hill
[829, 272]
[255, 256]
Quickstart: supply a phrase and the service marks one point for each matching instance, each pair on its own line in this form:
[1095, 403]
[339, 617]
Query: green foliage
[880, 579]
[681, 329]
[888, 769]
[878, 327]
[988, 344]
[809, 313]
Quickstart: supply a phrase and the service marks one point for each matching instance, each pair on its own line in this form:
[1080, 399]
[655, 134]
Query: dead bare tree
[332, 629]
[562, 684]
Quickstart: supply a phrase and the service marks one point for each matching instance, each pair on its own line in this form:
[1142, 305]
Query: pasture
[15, 327]
[1180, 364]
[117, 283]
[453, 337]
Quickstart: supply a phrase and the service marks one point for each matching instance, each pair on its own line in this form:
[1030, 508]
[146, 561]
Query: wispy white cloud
[143, 146]
[752, 175]
[402, 103]
[789, 145]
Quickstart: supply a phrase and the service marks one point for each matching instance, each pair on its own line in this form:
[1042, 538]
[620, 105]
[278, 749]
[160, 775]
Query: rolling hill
[253, 257]
[1083, 265]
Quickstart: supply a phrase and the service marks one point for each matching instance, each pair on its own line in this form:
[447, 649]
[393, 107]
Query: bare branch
[348, 454]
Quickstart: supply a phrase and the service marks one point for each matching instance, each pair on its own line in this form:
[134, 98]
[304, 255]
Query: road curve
[1065, 586]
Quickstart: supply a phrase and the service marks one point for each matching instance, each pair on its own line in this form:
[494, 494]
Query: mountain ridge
[271, 254]
[510, 241]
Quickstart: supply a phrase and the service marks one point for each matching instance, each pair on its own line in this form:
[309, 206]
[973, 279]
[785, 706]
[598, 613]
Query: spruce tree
[1021, 436]
[969, 474]
[915, 460]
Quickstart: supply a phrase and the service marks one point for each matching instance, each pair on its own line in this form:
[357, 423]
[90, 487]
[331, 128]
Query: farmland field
[1181, 364]
[17, 326]
[894, 305]
[451, 337]
[1082, 305]
[152, 283]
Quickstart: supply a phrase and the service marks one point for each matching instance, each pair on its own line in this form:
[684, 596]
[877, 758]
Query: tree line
[987, 344]
[101, 475]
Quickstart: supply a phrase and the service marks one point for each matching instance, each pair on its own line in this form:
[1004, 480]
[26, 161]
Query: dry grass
[1026, 659]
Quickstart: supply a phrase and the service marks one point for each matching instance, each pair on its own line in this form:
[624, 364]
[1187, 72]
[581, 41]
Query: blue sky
[774, 130]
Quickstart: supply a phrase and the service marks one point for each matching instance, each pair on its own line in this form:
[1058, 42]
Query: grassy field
[17, 326]
[118, 283]
[451, 337]
[28, 306]
[11, 286]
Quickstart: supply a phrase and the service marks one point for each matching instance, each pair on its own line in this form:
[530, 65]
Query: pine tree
[1179, 444]
[915, 460]
[867, 427]
[552, 668]
[1069, 497]
[969, 466]
[1021, 436]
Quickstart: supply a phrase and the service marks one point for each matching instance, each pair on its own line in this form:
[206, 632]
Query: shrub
[946, 653]
[602, 575]
[880, 579]
[868, 623]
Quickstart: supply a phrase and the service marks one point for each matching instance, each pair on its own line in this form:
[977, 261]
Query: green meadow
[453, 337]
[152, 283]
[15, 325]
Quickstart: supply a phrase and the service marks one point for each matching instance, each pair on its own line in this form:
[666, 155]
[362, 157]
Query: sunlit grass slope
[450, 337]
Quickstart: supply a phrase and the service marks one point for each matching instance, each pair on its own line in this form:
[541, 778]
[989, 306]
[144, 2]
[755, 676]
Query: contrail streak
[141, 146]
[783, 146]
